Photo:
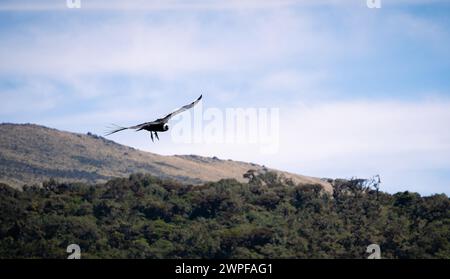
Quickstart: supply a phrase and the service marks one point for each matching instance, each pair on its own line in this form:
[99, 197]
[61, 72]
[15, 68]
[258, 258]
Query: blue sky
[360, 91]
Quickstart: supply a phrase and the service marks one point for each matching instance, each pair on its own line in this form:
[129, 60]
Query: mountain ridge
[31, 154]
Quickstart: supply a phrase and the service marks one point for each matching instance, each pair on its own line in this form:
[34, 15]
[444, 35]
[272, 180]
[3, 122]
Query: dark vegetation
[269, 217]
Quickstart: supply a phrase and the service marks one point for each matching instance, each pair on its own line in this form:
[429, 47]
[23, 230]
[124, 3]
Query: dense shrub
[145, 217]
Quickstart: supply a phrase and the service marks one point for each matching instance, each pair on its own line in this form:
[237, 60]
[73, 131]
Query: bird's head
[165, 127]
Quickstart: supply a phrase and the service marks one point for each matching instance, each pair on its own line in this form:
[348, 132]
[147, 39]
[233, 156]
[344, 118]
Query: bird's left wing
[177, 111]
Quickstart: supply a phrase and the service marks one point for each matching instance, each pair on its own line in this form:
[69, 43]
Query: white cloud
[27, 96]
[364, 138]
[291, 80]
[179, 45]
[169, 48]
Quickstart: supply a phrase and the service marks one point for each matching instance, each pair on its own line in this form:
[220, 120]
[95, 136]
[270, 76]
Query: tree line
[269, 217]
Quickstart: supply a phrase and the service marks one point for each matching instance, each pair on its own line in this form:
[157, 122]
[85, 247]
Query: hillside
[31, 154]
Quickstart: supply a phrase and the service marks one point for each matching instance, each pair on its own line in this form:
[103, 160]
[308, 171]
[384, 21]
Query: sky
[358, 91]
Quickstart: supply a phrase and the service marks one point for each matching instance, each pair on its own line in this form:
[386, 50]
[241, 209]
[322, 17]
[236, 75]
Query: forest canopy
[268, 217]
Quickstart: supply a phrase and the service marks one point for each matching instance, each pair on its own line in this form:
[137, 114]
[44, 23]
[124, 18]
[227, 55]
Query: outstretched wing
[116, 128]
[177, 111]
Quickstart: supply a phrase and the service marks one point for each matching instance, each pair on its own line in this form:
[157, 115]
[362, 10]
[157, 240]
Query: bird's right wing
[116, 128]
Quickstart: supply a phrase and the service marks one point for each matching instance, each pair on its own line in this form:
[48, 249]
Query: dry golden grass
[31, 154]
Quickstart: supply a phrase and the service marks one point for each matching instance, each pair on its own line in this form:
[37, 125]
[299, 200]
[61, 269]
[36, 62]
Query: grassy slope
[31, 154]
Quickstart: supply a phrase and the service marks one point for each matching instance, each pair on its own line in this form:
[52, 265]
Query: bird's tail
[114, 129]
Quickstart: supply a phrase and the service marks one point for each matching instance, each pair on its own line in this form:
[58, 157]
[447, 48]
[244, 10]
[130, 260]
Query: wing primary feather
[115, 129]
[180, 110]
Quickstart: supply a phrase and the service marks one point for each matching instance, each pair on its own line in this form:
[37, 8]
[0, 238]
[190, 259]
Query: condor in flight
[159, 125]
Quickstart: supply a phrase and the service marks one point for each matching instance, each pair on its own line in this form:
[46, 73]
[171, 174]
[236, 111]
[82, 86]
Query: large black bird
[159, 125]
